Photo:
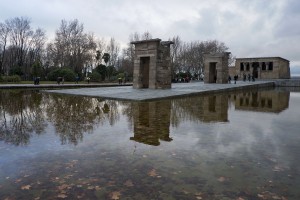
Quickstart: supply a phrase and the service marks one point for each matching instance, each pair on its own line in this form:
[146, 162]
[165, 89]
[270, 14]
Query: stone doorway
[255, 66]
[144, 69]
[212, 72]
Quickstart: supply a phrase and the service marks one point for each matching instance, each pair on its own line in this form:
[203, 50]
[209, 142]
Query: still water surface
[227, 146]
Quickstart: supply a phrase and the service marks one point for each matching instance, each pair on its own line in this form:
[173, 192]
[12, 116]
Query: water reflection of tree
[21, 115]
[186, 109]
[72, 116]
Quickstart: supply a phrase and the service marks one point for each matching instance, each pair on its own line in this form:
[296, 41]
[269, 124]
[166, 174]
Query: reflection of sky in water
[246, 131]
[263, 141]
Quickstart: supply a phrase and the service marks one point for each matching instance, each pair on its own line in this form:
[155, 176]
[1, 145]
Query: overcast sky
[250, 28]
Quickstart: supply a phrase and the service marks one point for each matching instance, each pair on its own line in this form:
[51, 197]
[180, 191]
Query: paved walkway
[178, 89]
[60, 86]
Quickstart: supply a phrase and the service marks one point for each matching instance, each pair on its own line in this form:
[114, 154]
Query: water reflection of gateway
[263, 101]
[211, 108]
[151, 122]
[215, 108]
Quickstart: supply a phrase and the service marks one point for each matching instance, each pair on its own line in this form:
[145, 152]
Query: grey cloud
[289, 24]
[248, 28]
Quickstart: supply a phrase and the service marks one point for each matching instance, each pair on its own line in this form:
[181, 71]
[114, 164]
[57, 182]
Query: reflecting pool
[240, 145]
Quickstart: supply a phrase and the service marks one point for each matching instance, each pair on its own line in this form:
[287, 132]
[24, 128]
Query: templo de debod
[152, 66]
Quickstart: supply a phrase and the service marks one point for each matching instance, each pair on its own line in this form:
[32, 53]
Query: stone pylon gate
[152, 64]
[216, 67]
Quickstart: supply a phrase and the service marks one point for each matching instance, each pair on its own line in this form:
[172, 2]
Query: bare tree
[20, 34]
[35, 49]
[101, 45]
[134, 37]
[175, 52]
[72, 47]
[146, 35]
[190, 55]
[4, 32]
[113, 49]
[20, 46]
[127, 58]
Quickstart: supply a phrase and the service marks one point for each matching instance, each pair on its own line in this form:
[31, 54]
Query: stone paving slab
[177, 90]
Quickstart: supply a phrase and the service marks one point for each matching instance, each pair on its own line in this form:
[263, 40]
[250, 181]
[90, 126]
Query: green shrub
[68, 74]
[113, 78]
[16, 70]
[11, 79]
[95, 76]
[36, 69]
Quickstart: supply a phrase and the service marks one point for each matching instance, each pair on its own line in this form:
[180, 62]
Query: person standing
[235, 78]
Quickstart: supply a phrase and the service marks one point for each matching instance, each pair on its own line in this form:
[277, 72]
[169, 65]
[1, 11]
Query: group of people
[236, 77]
[249, 77]
[181, 80]
[36, 81]
[60, 80]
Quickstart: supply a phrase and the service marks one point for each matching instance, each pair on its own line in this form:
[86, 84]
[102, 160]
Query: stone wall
[288, 83]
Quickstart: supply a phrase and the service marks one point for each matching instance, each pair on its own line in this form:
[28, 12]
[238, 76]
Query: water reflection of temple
[210, 108]
[151, 122]
[262, 101]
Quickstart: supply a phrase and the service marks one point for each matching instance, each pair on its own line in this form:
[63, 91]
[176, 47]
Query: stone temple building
[152, 64]
[262, 68]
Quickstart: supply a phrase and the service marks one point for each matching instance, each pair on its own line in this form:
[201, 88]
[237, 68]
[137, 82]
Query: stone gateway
[152, 64]
[216, 67]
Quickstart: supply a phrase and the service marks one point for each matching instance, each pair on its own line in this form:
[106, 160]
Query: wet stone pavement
[177, 90]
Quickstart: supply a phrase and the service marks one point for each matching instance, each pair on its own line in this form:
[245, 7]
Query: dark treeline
[25, 53]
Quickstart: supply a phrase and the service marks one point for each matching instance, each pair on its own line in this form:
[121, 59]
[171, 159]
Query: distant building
[262, 68]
